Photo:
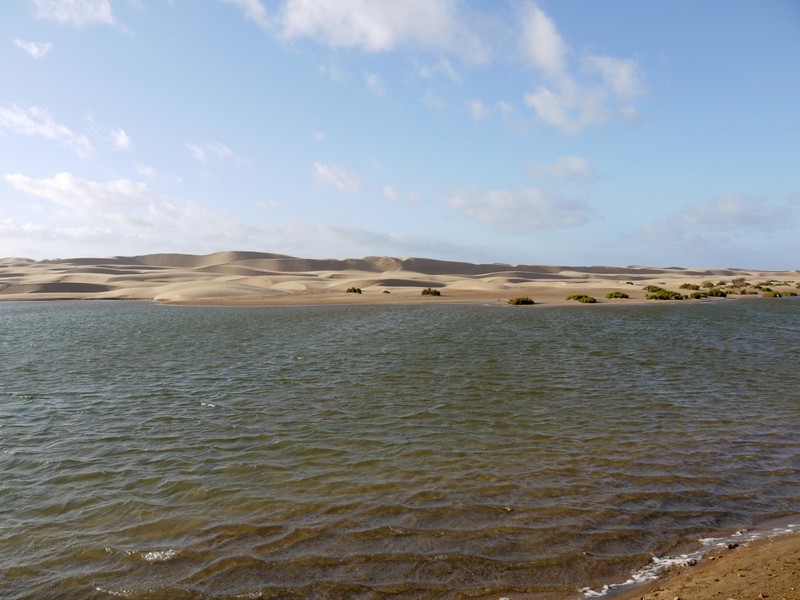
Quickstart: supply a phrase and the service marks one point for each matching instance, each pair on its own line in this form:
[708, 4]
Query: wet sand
[768, 568]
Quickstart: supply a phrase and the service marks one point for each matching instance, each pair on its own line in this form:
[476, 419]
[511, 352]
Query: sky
[569, 132]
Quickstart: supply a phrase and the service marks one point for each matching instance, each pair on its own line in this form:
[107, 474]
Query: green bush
[790, 293]
[771, 294]
[690, 286]
[798, 286]
[708, 284]
[611, 295]
[717, 293]
[520, 300]
[663, 294]
[738, 282]
[353, 290]
[431, 292]
[582, 298]
[721, 283]
[699, 295]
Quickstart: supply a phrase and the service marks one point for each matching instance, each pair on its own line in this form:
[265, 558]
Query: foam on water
[660, 565]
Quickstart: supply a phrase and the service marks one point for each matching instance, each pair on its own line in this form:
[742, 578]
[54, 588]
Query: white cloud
[216, 151]
[253, 10]
[375, 84]
[542, 44]
[718, 222]
[120, 140]
[35, 49]
[147, 171]
[433, 100]
[381, 25]
[735, 212]
[566, 168]
[601, 91]
[76, 12]
[107, 201]
[390, 193]
[124, 213]
[519, 211]
[478, 110]
[337, 177]
[36, 121]
[269, 204]
[443, 68]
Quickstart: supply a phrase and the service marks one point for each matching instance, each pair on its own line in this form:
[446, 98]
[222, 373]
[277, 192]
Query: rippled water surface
[423, 452]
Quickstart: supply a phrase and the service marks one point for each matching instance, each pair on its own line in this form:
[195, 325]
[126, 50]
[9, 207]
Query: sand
[769, 568]
[254, 278]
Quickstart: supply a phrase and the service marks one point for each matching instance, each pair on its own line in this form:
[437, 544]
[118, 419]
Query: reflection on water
[384, 452]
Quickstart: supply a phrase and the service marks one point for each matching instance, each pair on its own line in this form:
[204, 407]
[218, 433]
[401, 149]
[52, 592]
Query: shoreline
[731, 568]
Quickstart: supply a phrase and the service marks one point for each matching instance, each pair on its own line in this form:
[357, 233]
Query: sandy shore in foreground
[256, 279]
[768, 568]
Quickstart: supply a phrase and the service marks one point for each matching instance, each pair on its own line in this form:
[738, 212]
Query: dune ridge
[253, 278]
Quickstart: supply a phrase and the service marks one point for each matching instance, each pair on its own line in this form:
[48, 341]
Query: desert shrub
[746, 292]
[386, 292]
[798, 286]
[699, 295]
[771, 294]
[690, 286]
[717, 293]
[663, 294]
[353, 290]
[738, 282]
[610, 295]
[582, 298]
[631, 283]
[652, 289]
[520, 300]
[708, 284]
[790, 293]
[721, 283]
[431, 292]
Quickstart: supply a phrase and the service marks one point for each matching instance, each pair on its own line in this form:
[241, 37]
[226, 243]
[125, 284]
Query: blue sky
[550, 132]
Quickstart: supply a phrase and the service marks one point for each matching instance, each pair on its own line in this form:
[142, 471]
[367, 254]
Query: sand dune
[253, 278]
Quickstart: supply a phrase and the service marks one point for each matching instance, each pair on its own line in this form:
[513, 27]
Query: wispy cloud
[722, 217]
[336, 177]
[216, 151]
[522, 210]
[36, 121]
[123, 212]
[77, 13]
[253, 10]
[381, 26]
[120, 140]
[566, 168]
[734, 212]
[600, 91]
[478, 110]
[441, 68]
[34, 49]
[375, 84]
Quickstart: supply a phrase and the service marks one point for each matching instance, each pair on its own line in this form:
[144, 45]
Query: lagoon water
[436, 451]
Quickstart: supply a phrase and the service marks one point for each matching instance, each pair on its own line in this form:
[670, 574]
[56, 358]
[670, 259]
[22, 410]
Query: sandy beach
[255, 279]
[768, 568]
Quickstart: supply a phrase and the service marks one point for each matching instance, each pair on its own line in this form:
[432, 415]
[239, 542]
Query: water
[422, 452]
